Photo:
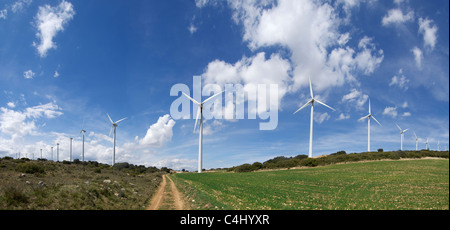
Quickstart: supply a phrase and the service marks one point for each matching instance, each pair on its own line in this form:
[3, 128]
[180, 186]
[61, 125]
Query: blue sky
[65, 62]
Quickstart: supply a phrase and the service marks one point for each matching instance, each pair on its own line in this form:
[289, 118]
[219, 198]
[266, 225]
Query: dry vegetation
[46, 185]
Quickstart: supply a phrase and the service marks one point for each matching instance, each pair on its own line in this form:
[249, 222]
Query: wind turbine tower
[401, 138]
[200, 138]
[368, 126]
[114, 125]
[311, 102]
[417, 139]
[82, 149]
[70, 153]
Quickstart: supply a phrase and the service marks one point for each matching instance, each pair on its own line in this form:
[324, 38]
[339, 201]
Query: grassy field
[420, 184]
[47, 185]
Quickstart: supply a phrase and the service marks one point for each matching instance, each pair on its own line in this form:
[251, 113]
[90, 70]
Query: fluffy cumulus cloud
[400, 81]
[356, 97]
[396, 16]
[17, 124]
[390, 111]
[428, 30]
[159, 133]
[29, 74]
[324, 54]
[418, 56]
[49, 21]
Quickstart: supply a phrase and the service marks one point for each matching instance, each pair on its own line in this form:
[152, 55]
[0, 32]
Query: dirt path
[167, 197]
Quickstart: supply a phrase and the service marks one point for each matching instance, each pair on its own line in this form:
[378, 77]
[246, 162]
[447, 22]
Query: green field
[420, 184]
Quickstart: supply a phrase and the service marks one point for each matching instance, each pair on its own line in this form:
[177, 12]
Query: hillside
[47, 185]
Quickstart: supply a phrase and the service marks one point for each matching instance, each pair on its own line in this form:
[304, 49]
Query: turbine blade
[415, 134]
[398, 127]
[307, 103]
[405, 130]
[323, 104]
[310, 87]
[196, 119]
[212, 97]
[369, 105]
[121, 120]
[362, 118]
[110, 131]
[110, 119]
[192, 99]
[376, 121]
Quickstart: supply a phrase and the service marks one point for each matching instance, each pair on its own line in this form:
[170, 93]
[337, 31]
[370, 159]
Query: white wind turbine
[417, 139]
[82, 149]
[426, 144]
[114, 125]
[311, 102]
[401, 138]
[368, 126]
[200, 113]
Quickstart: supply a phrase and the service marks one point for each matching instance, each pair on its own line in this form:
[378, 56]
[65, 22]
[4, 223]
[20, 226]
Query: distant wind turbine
[114, 125]
[311, 102]
[82, 149]
[401, 134]
[368, 126]
[200, 113]
[426, 144]
[417, 139]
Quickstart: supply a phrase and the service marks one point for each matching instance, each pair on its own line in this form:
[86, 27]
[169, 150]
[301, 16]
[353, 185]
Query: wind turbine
[82, 150]
[401, 134]
[311, 102]
[200, 113]
[114, 125]
[368, 126]
[426, 144]
[417, 139]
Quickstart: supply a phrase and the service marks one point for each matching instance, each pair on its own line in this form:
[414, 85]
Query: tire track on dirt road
[171, 196]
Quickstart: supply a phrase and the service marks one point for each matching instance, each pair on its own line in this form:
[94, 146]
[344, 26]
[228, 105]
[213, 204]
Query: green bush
[14, 196]
[244, 168]
[29, 167]
[309, 162]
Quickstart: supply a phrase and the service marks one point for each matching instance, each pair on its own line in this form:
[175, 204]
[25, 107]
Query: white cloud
[390, 111]
[3, 13]
[56, 74]
[19, 5]
[428, 31]
[11, 105]
[406, 114]
[321, 55]
[396, 16]
[159, 133]
[29, 74]
[321, 117]
[343, 117]
[355, 96]
[418, 56]
[21, 123]
[49, 21]
[400, 81]
[192, 29]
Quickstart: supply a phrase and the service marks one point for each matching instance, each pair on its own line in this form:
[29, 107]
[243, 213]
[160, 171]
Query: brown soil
[165, 196]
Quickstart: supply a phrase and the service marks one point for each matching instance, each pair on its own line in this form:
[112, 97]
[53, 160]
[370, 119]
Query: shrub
[29, 167]
[14, 196]
[309, 162]
[244, 168]
[380, 150]
[257, 166]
